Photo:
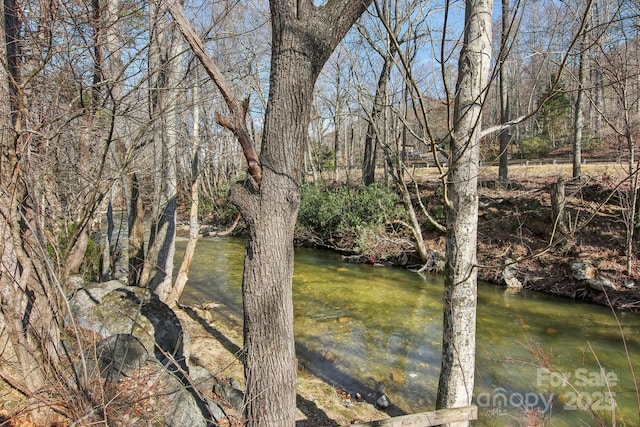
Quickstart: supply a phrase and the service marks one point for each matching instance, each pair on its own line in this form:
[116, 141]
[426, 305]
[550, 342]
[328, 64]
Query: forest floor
[515, 223]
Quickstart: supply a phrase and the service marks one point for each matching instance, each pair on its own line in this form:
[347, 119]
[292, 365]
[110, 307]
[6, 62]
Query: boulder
[509, 275]
[119, 356]
[113, 308]
[601, 283]
[140, 333]
[585, 272]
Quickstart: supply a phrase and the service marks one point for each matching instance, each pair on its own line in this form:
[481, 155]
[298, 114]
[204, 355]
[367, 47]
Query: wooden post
[427, 419]
[558, 202]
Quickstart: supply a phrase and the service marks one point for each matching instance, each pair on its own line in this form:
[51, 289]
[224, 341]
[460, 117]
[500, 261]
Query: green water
[369, 328]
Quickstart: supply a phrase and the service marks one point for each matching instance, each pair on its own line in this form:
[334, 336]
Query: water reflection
[369, 328]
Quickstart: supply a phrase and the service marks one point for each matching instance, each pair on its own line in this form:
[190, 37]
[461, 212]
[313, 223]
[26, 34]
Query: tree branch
[236, 121]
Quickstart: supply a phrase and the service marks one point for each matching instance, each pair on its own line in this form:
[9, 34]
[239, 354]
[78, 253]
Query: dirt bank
[516, 223]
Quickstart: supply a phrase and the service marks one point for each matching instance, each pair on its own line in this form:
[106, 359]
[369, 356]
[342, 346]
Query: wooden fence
[427, 419]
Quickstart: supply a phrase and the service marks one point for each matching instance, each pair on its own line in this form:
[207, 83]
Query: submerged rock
[382, 402]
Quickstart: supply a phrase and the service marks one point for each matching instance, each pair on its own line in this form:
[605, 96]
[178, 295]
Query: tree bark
[373, 126]
[558, 202]
[578, 120]
[135, 237]
[174, 293]
[303, 37]
[505, 135]
[455, 387]
[165, 61]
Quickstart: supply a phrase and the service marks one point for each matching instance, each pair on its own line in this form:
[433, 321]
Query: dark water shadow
[328, 372]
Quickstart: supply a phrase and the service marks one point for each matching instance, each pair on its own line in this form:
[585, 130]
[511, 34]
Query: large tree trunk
[455, 388]
[163, 283]
[303, 37]
[270, 362]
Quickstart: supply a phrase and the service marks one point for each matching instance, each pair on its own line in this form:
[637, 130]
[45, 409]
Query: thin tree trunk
[194, 225]
[505, 135]
[106, 269]
[455, 387]
[633, 193]
[135, 231]
[578, 121]
[558, 203]
[371, 141]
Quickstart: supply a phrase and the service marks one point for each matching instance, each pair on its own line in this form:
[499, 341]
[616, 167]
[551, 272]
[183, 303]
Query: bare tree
[619, 62]
[303, 38]
[505, 113]
[166, 69]
[455, 388]
[173, 294]
[29, 300]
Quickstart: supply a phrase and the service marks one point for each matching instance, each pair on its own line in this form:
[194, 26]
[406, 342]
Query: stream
[367, 329]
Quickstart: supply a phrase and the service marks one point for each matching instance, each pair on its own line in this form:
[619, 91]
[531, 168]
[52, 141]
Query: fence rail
[427, 419]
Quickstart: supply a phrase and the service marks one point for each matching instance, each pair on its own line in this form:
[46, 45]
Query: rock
[185, 408]
[600, 283]
[235, 384]
[135, 325]
[396, 376]
[512, 283]
[232, 395]
[75, 282]
[587, 273]
[202, 378]
[329, 356]
[509, 275]
[112, 308]
[382, 402]
[435, 263]
[583, 270]
[119, 356]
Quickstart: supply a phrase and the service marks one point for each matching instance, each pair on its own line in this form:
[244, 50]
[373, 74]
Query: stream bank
[519, 243]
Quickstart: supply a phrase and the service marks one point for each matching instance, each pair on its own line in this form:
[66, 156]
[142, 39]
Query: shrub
[591, 143]
[342, 211]
[532, 147]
